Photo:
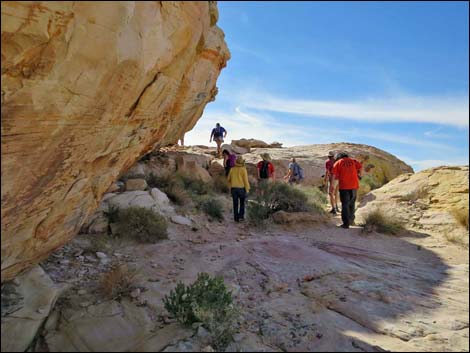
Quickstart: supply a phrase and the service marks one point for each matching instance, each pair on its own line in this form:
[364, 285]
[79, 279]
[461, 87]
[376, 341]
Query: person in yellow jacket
[239, 187]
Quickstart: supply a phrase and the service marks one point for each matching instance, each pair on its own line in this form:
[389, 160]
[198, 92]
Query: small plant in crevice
[378, 221]
[206, 301]
[142, 224]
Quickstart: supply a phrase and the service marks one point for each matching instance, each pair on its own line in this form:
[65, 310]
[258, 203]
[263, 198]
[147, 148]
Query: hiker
[229, 160]
[265, 168]
[182, 140]
[295, 173]
[239, 187]
[218, 134]
[331, 183]
[347, 171]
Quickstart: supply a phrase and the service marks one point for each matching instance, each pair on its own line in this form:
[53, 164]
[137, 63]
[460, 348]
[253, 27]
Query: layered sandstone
[87, 88]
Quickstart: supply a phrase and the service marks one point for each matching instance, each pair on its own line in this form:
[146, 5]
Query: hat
[265, 156]
[240, 161]
[331, 154]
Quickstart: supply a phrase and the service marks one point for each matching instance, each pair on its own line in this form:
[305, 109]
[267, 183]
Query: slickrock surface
[87, 88]
[427, 201]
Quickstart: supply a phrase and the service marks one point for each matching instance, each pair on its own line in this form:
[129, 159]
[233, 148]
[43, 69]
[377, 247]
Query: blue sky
[394, 75]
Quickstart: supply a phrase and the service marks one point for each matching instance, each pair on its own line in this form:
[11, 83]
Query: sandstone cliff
[87, 88]
[433, 201]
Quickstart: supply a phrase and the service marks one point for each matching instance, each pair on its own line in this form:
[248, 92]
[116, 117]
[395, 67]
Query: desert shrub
[213, 208]
[196, 185]
[272, 197]
[118, 282]
[208, 302]
[315, 195]
[112, 213]
[461, 216]
[161, 181]
[177, 194]
[221, 184]
[257, 212]
[142, 224]
[378, 221]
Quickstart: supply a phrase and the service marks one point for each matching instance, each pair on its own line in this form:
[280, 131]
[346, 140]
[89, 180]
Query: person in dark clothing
[347, 171]
[229, 160]
[218, 134]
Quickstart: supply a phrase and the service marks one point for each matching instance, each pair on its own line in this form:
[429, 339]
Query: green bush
[207, 301]
[213, 208]
[272, 197]
[378, 221]
[314, 194]
[141, 224]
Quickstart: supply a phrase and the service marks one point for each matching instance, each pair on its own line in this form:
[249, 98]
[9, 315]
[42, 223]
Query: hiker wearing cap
[239, 187]
[331, 183]
[218, 134]
[265, 168]
[347, 171]
[294, 173]
[229, 160]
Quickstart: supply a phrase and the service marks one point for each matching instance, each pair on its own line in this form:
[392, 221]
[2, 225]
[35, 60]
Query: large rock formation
[87, 88]
[434, 201]
[379, 165]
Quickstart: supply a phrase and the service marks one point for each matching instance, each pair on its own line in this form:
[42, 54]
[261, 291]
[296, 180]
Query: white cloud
[241, 123]
[438, 110]
[430, 163]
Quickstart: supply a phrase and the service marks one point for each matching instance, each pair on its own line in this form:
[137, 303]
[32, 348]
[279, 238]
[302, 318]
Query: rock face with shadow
[88, 88]
[433, 201]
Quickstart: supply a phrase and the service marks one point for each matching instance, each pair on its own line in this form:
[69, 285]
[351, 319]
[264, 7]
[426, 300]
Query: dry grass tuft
[377, 221]
[461, 216]
[118, 282]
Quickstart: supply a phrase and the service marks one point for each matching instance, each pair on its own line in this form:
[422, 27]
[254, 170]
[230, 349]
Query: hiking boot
[344, 226]
[333, 211]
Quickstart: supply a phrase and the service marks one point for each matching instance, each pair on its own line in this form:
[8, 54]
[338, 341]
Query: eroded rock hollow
[88, 88]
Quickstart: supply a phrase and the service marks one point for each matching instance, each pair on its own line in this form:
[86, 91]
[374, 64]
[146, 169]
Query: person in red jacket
[347, 171]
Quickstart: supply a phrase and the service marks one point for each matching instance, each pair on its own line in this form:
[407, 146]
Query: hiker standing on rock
[265, 168]
[218, 134]
[229, 160]
[331, 183]
[239, 187]
[347, 171]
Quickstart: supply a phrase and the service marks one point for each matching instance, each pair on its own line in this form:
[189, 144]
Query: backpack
[264, 172]
[231, 160]
[298, 171]
[218, 131]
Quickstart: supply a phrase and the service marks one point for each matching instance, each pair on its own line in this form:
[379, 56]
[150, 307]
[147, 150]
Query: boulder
[87, 89]
[192, 168]
[28, 303]
[216, 168]
[181, 220]
[117, 186]
[426, 201]
[136, 184]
